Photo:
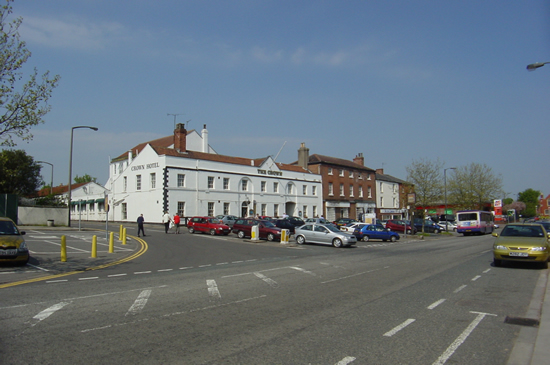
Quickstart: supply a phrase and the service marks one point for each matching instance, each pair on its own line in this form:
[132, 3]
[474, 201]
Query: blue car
[375, 232]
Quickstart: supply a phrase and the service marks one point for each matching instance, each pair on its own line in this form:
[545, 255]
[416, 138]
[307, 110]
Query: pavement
[531, 346]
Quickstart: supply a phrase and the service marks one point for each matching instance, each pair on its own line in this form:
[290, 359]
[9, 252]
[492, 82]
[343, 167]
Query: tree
[531, 199]
[23, 103]
[19, 173]
[473, 186]
[84, 179]
[427, 180]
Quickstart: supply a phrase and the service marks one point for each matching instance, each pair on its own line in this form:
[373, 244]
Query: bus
[474, 222]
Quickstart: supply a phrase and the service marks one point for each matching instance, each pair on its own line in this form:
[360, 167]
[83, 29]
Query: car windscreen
[522, 231]
[8, 228]
[330, 227]
[268, 224]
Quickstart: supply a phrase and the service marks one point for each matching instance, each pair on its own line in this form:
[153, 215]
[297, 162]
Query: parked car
[284, 224]
[317, 220]
[267, 230]
[325, 234]
[207, 224]
[428, 225]
[447, 226]
[522, 242]
[399, 225]
[227, 219]
[296, 221]
[13, 247]
[350, 227]
[343, 221]
[375, 231]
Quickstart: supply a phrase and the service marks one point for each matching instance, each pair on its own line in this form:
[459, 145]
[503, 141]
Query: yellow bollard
[112, 243]
[94, 247]
[124, 236]
[63, 249]
[120, 233]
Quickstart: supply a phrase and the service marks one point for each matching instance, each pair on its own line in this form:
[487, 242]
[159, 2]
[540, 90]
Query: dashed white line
[213, 290]
[271, 282]
[185, 268]
[399, 328]
[476, 277]
[459, 288]
[346, 360]
[115, 275]
[435, 304]
[89, 278]
[56, 281]
[164, 270]
[486, 271]
[48, 312]
[142, 272]
[139, 303]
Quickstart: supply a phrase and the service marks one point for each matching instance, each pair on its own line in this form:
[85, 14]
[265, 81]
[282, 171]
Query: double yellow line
[141, 251]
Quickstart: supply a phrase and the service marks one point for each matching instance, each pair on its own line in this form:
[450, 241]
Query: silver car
[228, 220]
[325, 234]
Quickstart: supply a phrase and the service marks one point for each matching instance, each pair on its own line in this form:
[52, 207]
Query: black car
[296, 221]
[429, 226]
[285, 224]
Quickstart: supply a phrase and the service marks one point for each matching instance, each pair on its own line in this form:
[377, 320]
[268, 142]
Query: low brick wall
[40, 216]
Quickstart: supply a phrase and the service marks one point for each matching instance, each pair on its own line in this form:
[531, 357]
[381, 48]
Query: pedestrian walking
[140, 222]
[177, 223]
[166, 220]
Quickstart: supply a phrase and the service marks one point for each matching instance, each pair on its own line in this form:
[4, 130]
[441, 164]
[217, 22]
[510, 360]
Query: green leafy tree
[531, 199]
[19, 173]
[23, 103]
[426, 177]
[473, 186]
[84, 179]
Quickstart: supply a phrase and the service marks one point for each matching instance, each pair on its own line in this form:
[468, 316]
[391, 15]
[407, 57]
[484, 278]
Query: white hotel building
[183, 174]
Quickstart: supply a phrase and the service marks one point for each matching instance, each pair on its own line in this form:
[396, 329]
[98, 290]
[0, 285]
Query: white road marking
[435, 304]
[213, 289]
[459, 288]
[56, 281]
[36, 267]
[115, 275]
[139, 303]
[90, 278]
[475, 277]
[271, 282]
[460, 339]
[142, 272]
[346, 360]
[399, 328]
[302, 270]
[164, 270]
[48, 312]
[486, 271]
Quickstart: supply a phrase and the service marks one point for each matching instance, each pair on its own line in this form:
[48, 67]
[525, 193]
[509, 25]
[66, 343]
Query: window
[181, 209]
[314, 190]
[124, 183]
[381, 187]
[181, 180]
[276, 210]
[263, 187]
[341, 189]
[264, 209]
[244, 185]
[330, 170]
[225, 183]
[315, 211]
[395, 203]
[210, 209]
[394, 188]
[275, 187]
[92, 207]
[369, 192]
[225, 208]
[381, 201]
[304, 211]
[289, 189]
[360, 191]
[210, 182]
[330, 189]
[138, 182]
[351, 190]
[351, 174]
[368, 176]
[360, 176]
[304, 189]
[124, 211]
[341, 173]
[153, 179]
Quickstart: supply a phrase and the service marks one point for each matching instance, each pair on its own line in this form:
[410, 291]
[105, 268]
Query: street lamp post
[71, 169]
[445, 183]
[51, 181]
[534, 66]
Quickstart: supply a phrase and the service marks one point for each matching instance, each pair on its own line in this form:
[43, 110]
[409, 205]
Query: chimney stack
[205, 140]
[180, 138]
[359, 159]
[303, 156]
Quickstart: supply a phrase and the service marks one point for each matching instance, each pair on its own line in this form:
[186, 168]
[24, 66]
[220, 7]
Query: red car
[267, 230]
[399, 225]
[207, 224]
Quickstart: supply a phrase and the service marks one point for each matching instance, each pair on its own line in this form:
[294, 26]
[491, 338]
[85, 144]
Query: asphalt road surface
[197, 299]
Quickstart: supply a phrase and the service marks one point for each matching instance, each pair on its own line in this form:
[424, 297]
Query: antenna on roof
[187, 123]
[277, 155]
[175, 115]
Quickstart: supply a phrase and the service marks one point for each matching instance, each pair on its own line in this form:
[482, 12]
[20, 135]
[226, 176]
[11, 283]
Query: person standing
[177, 223]
[140, 222]
[166, 220]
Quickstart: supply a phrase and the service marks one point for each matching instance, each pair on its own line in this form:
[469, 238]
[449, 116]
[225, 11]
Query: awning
[91, 201]
[102, 200]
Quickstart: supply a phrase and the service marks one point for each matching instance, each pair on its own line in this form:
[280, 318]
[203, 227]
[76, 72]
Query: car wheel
[213, 232]
[497, 263]
[544, 265]
[240, 234]
[300, 240]
[337, 243]
[408, 231]
[270, 237]
[191, 230]
[393, 238]
[366, 238]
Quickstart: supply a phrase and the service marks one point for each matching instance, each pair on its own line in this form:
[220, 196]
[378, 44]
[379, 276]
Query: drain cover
[530, 322]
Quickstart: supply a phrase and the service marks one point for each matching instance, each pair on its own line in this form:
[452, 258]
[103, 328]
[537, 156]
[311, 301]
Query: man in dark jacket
[140, 221]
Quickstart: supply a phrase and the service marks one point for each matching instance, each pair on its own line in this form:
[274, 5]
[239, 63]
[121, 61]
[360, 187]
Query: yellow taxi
[13, 247]
[522, 242]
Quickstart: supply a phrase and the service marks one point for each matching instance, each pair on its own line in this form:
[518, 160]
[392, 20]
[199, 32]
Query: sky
[398, 81]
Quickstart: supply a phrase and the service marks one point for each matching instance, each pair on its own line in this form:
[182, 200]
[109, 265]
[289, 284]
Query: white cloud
[71, 34]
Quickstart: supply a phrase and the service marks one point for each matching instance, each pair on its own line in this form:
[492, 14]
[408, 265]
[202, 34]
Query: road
[197, 299]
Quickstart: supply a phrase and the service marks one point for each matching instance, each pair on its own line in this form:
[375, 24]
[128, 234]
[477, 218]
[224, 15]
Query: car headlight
[500, 247]
[22, 247]
[538, 249]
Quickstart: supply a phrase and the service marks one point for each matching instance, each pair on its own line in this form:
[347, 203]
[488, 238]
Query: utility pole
[175, 115]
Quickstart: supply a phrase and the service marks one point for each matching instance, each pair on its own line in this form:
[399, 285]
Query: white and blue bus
[474, 222]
